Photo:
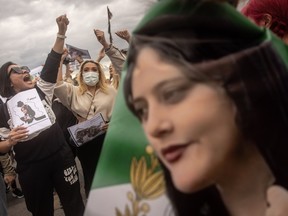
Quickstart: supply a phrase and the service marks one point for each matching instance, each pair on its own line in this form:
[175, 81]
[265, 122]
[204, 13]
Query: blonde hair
[115, 81]
[102, 80]
[114, 78]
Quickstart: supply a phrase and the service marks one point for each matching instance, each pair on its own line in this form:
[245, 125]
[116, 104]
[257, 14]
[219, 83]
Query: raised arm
[52, 63]
[101, 38]
[116, 57]
[60, 73]
[101, 55]
[124, 34]
[62, 22]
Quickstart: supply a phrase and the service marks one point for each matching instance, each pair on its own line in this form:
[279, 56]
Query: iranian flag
[128, 180]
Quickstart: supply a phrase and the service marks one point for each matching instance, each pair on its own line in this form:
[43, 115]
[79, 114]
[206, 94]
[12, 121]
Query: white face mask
[90, 78]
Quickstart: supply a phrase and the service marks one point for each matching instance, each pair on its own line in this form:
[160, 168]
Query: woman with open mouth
[44, 160]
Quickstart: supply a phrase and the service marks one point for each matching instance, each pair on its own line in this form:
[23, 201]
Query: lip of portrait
[190, 125]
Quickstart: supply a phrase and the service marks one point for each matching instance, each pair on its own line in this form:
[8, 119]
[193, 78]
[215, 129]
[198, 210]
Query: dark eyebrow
[168, 81]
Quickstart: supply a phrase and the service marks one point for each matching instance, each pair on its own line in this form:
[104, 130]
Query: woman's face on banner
[190, 125]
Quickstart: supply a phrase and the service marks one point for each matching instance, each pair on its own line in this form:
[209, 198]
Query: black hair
[186, 38]
[6, 88]
[250, 71]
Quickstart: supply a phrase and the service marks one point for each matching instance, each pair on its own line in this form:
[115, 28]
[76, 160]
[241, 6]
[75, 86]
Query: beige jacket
[86, 105]
[117, 58]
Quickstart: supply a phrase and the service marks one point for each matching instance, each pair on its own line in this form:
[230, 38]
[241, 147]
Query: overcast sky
[28, 27]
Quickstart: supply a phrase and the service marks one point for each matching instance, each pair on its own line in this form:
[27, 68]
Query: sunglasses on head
[19, 70]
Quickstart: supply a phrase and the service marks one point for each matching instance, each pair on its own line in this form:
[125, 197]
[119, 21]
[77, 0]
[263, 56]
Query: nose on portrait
[158, 123]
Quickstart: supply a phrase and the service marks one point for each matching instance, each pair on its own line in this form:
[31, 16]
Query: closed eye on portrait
[174, 95]
[173, 92]
[168, 92]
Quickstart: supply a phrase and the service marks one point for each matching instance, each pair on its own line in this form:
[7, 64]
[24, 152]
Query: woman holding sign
[93, 96]
[44, 160]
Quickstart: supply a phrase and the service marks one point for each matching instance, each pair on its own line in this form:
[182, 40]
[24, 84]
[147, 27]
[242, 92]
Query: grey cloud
[28, 28]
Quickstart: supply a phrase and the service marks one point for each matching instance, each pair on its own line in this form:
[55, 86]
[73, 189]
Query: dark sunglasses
[19, 70]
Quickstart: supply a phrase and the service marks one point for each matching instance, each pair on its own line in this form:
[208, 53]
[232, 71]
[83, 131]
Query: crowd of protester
[49, 156]
[46, 160]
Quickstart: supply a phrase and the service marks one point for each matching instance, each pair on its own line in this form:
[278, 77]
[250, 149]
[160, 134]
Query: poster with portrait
[26, 109]
[85, 131]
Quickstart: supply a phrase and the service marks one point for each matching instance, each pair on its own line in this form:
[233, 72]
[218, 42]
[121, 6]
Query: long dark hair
[250, 71]
[6, 90]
